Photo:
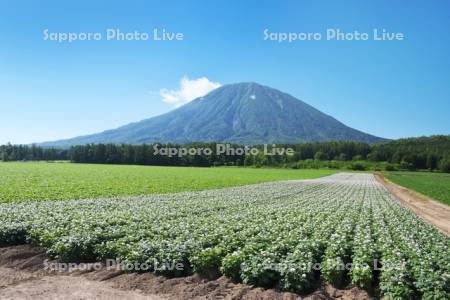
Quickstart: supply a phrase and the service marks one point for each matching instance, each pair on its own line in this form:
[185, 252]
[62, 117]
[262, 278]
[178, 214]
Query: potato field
[344, 229]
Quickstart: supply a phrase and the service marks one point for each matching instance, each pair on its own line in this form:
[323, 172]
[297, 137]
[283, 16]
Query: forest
[422, 153]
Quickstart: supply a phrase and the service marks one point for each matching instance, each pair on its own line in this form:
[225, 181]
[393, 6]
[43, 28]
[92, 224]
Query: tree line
[412, 153]
[25, 152]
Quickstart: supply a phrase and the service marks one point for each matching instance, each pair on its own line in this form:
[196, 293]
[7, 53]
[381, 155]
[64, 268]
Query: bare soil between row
[23, 276]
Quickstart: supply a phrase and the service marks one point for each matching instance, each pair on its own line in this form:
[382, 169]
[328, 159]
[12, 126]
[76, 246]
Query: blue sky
[51, 90]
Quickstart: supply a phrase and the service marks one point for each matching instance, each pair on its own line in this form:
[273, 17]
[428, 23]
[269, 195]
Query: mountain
[244, 113]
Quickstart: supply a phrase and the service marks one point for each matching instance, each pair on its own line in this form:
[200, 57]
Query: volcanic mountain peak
[245, 113]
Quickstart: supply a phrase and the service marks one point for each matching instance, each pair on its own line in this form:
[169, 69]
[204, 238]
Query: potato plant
[342, 229]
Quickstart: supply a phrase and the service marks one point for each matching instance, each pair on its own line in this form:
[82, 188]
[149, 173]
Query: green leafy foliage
[283, 235]
[20, 181]
[434, 185]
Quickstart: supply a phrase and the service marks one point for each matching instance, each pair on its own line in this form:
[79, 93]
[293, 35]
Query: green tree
[320, 156]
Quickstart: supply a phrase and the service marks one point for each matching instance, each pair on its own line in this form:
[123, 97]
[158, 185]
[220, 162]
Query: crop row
[344, 228]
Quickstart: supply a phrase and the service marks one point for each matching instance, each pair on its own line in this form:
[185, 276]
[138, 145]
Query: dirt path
[26, 286]
[23, 277]
[433, 212]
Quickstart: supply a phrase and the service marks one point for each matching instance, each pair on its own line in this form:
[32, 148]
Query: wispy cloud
[188, 91]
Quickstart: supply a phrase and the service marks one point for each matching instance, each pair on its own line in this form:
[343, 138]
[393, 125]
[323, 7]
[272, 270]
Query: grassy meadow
[21, 181]
[433, 185]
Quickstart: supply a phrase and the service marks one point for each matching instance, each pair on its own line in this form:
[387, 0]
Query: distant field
[52, 181]
[434, 185]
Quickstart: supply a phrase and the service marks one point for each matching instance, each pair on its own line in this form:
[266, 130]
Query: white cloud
[253, 97]
[189, 90]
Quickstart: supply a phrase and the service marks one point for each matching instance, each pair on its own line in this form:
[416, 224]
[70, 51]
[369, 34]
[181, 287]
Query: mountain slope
[245, 113]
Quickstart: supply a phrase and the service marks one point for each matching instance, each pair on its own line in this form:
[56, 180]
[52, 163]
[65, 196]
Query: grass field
[54, 181]
[434, 185]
